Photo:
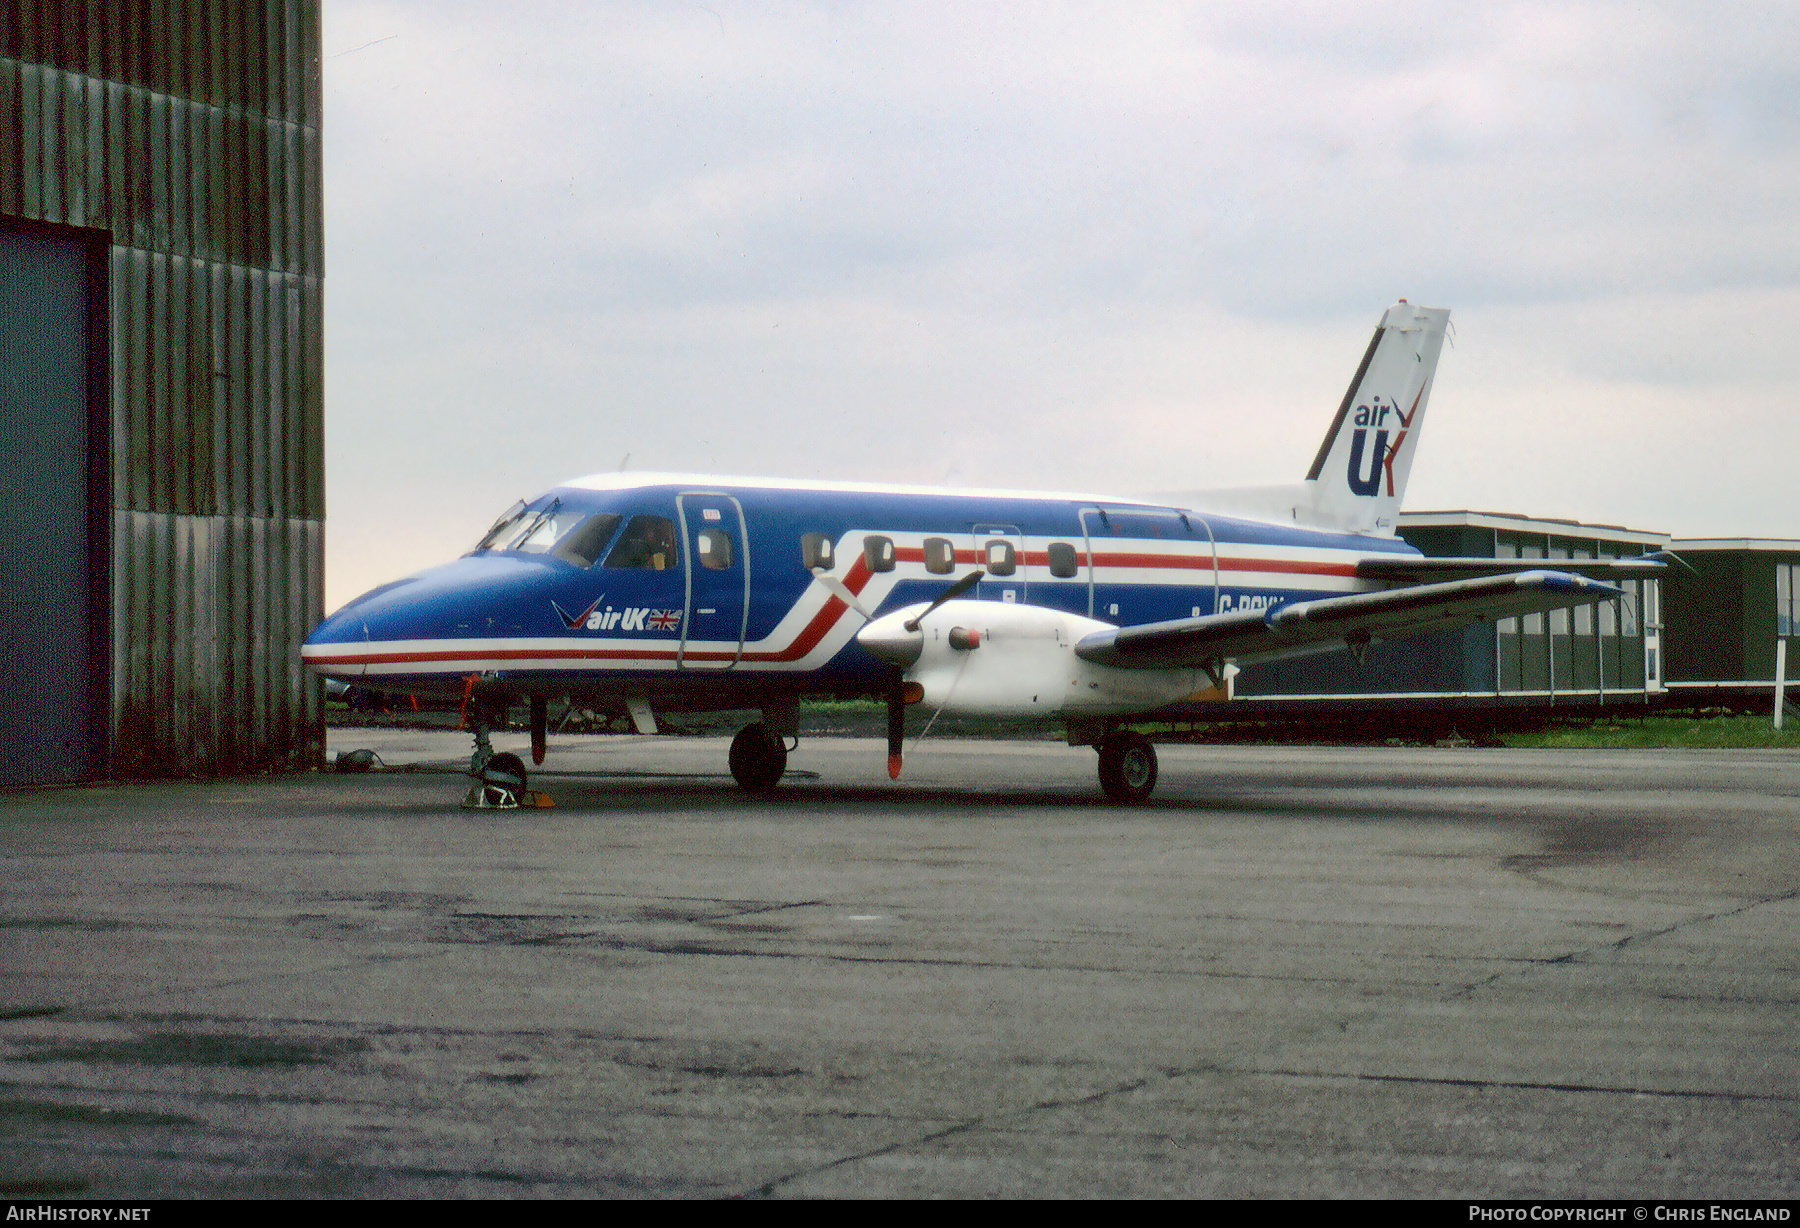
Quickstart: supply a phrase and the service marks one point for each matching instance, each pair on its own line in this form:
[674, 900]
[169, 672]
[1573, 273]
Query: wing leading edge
[1316, 626]
[1413, 569]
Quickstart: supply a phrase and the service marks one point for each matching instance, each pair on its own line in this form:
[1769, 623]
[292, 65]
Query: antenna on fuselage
[625, 463]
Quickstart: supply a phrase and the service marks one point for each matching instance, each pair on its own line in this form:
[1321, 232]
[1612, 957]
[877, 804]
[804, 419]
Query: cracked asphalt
[1310, 972]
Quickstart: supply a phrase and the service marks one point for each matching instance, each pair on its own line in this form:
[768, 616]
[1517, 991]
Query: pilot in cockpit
[648, 543]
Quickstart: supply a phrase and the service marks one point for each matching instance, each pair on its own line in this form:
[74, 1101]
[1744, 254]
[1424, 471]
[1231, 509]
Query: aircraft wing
[1423, 570]
[1356, 618]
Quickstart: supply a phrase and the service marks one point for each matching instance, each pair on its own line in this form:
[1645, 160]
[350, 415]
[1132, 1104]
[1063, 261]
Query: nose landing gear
[499, 778]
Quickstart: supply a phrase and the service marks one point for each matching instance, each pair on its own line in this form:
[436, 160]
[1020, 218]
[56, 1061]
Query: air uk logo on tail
[1376, 415]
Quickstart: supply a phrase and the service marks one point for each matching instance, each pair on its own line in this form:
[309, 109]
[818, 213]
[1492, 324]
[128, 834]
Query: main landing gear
[758, 758]
[1127, 767]
[1127, 760]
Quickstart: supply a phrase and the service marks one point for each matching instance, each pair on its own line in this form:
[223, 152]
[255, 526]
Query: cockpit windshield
[570, 534]
[508, 520]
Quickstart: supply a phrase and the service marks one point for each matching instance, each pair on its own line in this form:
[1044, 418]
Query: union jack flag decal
[663, 620]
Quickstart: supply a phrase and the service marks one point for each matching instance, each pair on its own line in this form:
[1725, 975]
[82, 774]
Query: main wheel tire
[1127, 767]
[505, 771]
[756, 762]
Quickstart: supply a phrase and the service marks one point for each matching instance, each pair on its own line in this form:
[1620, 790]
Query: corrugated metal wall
[189, 130]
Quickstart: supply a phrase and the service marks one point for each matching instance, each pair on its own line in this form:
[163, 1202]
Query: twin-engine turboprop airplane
[640, 591]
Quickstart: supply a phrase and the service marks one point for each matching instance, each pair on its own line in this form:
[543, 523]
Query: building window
[1787, 599]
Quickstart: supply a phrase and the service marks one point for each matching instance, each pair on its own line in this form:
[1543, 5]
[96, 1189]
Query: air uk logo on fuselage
[1376, 415]
[627, 618]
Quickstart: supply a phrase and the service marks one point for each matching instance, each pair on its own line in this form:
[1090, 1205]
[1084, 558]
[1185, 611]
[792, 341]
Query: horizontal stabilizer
[1355, 619]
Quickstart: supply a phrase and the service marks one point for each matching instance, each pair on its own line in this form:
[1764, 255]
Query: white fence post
[1780, 679]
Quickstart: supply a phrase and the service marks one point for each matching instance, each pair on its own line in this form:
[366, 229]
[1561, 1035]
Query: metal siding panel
[55, 135]
[292, 206]
[156, 417]
[92, 203]
[178, 422]
[212, 33]
[311, 419]
[118, 197]
[184, 203]
[271, 186]
[31, 141]
[231, 295]
[157, 186]
[12, 136]
[256, 291]
[264, 644]
[292, 107]
[308, 203]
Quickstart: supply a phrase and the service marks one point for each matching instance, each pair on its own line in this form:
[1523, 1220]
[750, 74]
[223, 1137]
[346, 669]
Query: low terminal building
[1729, 607]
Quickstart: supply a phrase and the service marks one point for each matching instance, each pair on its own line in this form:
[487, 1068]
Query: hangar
[161, 353]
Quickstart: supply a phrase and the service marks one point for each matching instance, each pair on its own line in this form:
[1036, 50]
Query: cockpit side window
[648, 544]
[582, 544]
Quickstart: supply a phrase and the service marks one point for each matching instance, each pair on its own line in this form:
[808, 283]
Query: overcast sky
[1115, 248]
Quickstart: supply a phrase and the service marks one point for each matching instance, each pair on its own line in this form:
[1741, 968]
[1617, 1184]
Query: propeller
[896, 714]
[896, 687]
[950, 594]
[837, 588]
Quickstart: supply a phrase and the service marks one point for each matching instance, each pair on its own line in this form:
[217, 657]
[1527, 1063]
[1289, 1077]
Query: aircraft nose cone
[887, 639]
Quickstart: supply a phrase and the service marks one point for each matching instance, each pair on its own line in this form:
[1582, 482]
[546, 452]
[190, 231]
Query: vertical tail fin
[1359, 476]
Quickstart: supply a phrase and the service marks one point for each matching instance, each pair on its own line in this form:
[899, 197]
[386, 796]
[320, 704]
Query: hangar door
[54, 645]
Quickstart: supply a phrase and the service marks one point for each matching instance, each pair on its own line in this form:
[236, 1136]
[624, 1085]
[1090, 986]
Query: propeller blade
[841, 591]
[896, 714]
[950, 594]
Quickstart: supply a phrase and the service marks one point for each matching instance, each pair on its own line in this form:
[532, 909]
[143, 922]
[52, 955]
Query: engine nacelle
[1019, 660]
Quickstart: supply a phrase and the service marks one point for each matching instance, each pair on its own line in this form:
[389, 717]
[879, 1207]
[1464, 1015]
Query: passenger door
[717, 564]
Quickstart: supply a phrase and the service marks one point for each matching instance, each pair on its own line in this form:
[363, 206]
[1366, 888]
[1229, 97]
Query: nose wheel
[1127, 767]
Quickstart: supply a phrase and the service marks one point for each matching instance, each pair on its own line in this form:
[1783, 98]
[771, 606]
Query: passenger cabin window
[1062, 560]
[940, 556]
[815, 551]
[714, 548]
[878, 553]
[1000, 558]
[648, 544]
[582, 544]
